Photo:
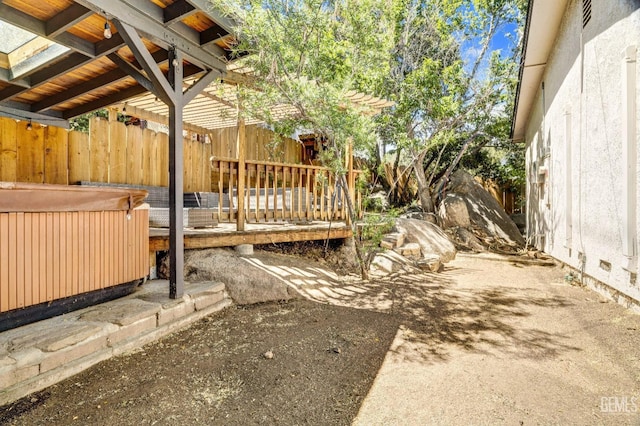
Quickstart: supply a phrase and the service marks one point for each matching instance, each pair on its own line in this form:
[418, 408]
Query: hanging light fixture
[29, 125]
[107, 29]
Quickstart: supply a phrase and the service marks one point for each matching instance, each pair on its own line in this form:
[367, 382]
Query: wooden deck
[226, 235]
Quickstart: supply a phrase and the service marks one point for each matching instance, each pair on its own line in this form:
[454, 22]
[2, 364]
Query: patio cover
[64, 58]
[166, 58]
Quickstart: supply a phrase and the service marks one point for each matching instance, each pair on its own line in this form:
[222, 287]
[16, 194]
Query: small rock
[409, 249]
[268, 355]
[393, 240]
[336, 350]
[431, 264]
[387, 244]
[34, 399]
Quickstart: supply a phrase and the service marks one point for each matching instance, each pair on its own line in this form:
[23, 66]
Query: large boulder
[245, 281]
[468, 205]
[432, 240]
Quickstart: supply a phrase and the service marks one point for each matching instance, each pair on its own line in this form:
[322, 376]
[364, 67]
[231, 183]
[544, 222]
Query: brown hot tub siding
[51, 255]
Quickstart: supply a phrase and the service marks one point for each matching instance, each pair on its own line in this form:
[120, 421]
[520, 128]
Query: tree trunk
[397, 190]
[424, 190]
[445, 177]
[354, 226]
[341, 180]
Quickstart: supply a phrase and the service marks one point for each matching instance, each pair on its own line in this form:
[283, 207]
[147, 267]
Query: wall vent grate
[586, 12]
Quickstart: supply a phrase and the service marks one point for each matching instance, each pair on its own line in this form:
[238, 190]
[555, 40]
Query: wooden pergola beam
[149, 19]
[159, 84]
[105, 79]
[176, 170]
[118, 97]
[205, 7]
[177, 11]
[216, 32]
[16, 110]
[158, 118]
[218, 99]
[61, 22]
[199, 86]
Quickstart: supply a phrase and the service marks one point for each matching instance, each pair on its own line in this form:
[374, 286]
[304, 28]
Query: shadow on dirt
[440, 320]
[439, 316]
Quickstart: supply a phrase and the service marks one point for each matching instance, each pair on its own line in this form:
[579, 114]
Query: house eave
[541, 30]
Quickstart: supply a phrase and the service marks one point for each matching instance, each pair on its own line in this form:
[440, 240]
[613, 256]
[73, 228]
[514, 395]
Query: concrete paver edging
[41, 354]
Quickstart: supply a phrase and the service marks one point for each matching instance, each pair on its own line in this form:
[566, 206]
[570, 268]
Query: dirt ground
[487, 341]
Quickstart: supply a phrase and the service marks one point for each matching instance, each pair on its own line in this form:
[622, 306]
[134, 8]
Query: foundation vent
[586, 12]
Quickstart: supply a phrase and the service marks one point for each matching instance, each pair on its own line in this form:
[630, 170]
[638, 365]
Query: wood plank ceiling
[91, 70]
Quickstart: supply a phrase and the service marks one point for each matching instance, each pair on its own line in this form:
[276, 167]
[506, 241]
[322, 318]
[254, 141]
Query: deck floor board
[226, 235]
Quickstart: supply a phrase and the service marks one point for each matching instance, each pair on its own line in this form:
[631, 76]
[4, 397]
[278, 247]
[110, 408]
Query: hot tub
[65, 247]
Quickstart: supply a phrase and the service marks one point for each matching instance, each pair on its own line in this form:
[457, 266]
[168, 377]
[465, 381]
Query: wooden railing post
[286, 192]
[241, 169]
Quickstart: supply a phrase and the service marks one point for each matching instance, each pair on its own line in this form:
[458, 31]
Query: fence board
[148, 156]
[196, 161]
[99, 148]
[8, 150]
[30, 153]
[194, 152]
[56, 156]
[79, 157]
[163, 158]
[118, 152]
[134, 155]
[156, 169]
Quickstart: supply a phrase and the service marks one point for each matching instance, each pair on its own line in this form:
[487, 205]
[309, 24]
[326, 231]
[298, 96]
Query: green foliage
[453, 93]
[434, 58]
[309, 54]
[375, 226]
[373, 204]
[81, 123]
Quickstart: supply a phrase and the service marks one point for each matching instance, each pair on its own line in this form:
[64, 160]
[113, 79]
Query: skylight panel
[24, 51]
[13, 37]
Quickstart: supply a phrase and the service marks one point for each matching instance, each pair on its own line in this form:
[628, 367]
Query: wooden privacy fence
[110, 153]
[259, 145]
[278, 191]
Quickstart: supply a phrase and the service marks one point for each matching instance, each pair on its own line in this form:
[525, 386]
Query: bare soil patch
[490, 340]
[324, 361]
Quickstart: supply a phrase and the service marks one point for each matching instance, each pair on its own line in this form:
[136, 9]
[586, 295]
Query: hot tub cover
[26, 197]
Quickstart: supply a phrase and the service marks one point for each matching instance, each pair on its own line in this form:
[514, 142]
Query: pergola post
[176, 178]
[169, 89]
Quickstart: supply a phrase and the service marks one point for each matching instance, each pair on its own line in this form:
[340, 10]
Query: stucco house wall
[581, 148]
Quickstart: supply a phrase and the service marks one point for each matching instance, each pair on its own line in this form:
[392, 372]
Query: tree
[308, 54]
[452, 91]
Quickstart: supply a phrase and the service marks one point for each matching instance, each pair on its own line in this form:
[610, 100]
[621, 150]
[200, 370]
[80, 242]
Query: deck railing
[277, 191]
